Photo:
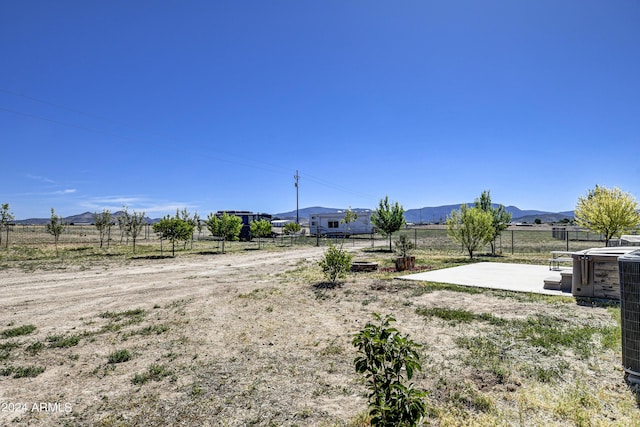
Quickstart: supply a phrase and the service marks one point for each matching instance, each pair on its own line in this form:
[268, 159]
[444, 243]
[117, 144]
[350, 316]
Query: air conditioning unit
[629, 268]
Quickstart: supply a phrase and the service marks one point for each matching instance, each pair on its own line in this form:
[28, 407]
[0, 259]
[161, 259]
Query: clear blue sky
[213, 105]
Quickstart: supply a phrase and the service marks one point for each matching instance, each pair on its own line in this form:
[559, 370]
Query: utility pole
[297, 177]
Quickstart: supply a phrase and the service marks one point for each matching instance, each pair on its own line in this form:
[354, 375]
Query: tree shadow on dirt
[321, 289]
[80, 249]
[327, 285]
[208, 253]
[152, 257]
[384, 250]
[461, 261]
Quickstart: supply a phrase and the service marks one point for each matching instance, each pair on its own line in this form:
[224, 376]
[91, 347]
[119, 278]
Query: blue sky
[214, 105]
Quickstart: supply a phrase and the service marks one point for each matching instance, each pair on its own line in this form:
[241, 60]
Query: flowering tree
[611, 212]
[471, 227]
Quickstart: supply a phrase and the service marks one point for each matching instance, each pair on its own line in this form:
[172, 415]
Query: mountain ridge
[427, 214]
[438, 214]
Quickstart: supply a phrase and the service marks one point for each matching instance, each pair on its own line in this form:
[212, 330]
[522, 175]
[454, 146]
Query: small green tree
[611, 212]
[349, 217]
[5, 218]
[388, 218]
[471, 227]
[191, 220]
[292, 228]
[403, 245]
[55, 227]
[500, 218]
[103, 222]
[198, 223]
[335, 263]
[124, 218]
[388, 361]
[260, 228]
[134, 226]
[173, 229]
[225, 226]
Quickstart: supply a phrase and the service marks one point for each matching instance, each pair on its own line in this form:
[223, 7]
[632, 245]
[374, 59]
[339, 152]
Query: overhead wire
[58, 122]
[228, 158]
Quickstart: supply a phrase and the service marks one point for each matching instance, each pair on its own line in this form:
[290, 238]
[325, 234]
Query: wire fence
[516, 239]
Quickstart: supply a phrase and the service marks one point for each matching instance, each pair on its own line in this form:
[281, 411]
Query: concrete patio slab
[494, 275]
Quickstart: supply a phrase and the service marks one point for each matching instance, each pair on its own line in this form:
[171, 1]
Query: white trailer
[332, 224]
[280, 223]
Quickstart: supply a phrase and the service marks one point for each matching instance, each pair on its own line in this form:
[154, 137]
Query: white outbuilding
[333, 224]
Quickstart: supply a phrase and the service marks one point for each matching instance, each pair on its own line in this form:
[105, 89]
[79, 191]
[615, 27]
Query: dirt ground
[235, 339]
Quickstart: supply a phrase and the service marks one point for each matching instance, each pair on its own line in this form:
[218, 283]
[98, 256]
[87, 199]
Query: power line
[51, 104]
[58, 122]
[243, 161]
[335, 186]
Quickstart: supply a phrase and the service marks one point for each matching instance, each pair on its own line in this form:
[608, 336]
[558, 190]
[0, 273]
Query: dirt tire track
[60, 299]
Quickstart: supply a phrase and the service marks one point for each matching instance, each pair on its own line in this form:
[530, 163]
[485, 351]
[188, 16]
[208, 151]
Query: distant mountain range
[437, 214]
[83, 218]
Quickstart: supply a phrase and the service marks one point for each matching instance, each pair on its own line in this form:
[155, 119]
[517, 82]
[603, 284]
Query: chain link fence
[516, 239]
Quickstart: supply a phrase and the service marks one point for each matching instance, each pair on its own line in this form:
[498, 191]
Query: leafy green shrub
[119, 356]
[28, 372]
[35, 347]
[135, 314]
[151, 330]
[19, 331]
[20, 372]
[385, 357]
[5, 349]
[60, 341]
[154, 372]
[335, 263]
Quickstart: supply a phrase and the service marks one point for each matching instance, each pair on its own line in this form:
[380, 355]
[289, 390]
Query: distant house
[247, 217]
[280, 223]
[332, 224]
[629, 240]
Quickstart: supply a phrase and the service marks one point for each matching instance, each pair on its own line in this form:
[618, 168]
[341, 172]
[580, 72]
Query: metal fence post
[511, 241]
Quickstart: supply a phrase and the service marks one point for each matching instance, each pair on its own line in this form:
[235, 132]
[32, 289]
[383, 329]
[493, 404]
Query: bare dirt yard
[251, 338]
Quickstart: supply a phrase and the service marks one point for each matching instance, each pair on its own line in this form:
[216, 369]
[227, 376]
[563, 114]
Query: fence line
[512, 240]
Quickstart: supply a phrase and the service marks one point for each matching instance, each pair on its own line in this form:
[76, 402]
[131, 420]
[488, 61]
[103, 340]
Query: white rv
[332, 224]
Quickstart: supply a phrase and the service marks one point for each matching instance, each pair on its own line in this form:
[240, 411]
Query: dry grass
[247, 338]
